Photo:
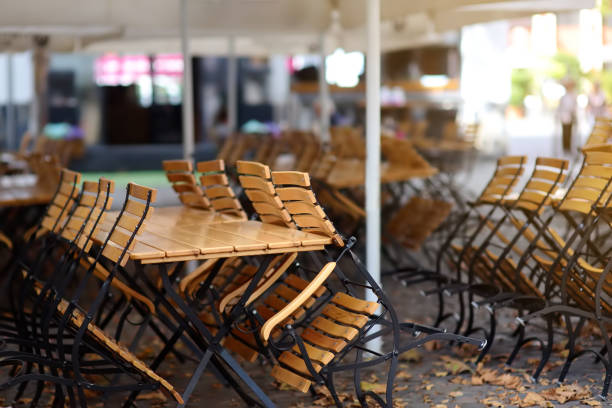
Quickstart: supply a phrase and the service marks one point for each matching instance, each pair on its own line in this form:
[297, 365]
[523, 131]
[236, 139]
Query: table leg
[213, 342]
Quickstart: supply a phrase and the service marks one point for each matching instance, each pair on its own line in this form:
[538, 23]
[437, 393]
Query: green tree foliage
[563, 66]
[522, 85]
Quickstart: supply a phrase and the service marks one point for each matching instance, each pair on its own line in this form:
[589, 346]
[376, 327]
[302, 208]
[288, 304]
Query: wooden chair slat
[321, 340]
[252, 182]
[297, 363]
[181, 178]
[289, 377]
[295, 194]
[142, 192]
[333, 329]
[354, 304]
[253, 168]
[296, 178]
[214, 179]
[510, 160]
[211, 166]
[177, 165]
[552, 162]
[315, 353]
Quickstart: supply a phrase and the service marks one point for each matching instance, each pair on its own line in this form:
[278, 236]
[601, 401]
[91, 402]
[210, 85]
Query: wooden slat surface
[22, 190]
[179, 234]
[351, 173]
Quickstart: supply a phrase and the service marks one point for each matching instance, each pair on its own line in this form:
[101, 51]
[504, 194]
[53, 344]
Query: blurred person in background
[566, 113]
[597, 106]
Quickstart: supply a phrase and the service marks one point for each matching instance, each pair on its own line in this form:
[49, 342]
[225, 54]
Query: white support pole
[188, 138]
[373, 139]
[10, 106]
[232, 87]
[323, 93]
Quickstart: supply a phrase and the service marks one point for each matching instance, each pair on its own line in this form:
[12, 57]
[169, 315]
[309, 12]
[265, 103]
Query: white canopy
[266, 26]
[261, 27]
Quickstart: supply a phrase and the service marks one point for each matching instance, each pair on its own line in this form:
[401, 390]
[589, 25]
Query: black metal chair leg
[440, 317]
[517, 345]
[82, 397]
[40, 385]
[606, 385]
[490, 337]
[546, 350]
[469, 329]
[329, 383]
[461, 316]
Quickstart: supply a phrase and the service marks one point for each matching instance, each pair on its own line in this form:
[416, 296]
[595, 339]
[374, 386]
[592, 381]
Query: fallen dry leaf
[155, 395]
[455, 366]
[491, 402]
[565, 393]
[378, 388]
[403, 375]
[411, 356]
[532, 399]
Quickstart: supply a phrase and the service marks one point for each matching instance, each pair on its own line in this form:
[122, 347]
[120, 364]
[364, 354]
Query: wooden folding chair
[73, 318]
[314, 351]
[307, 149]
[180, 174]
[568, 260]
[24, 145]
[472, 222]
[600, 134]
[234, 274]
[217, 189]
[255, 179]
[33, 327]
[491, 271]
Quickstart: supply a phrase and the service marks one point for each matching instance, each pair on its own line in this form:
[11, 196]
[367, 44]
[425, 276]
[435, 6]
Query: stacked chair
[541, 251]
[53, 330]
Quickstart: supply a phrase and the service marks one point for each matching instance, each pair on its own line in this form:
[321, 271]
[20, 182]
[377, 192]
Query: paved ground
[443, 377]
[438, 376]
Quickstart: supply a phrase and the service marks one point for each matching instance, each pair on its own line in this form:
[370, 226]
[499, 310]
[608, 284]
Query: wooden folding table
[175, 235]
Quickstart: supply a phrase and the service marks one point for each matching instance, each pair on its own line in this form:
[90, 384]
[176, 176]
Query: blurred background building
[502, 80]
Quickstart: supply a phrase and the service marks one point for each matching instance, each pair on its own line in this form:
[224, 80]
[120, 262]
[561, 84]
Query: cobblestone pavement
[443, 377]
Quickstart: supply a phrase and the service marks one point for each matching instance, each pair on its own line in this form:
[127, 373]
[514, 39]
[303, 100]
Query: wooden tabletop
[22, 190]
[179, 234]
[349, 173]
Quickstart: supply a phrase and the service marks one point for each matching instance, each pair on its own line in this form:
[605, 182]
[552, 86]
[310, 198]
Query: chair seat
[242, 340]
[77, 318]
[329, 334]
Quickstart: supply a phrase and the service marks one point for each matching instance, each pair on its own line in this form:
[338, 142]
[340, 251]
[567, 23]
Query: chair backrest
[63, 200]
[602, 130]
[294, 190]
[507, 174]
[226, 148]
[40, 144]
[89, 213]
[136, 208]
[255, 179]
[400, 152]
[307, 149]
[184, 183]
[346, 142]
[24, 144]
[48, 171]
[217, 189]
[240, 146]
[546, 177]
[414, 222]
[591, 186]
